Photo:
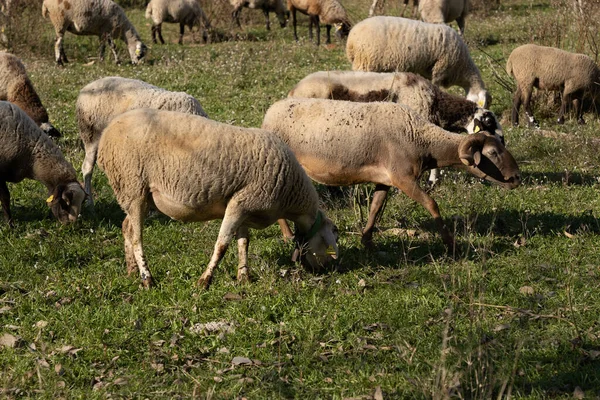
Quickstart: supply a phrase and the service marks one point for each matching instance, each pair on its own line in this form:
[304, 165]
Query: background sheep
[16, 87]
[379, 4]
[266, 6]
[102, 18]
[102, 100]
[195, 169]
[451, 112]
[437, 52]
[184, 12]
[27, 152]
[445, 11]
[548, 68]
[329, 12]
[345, 143]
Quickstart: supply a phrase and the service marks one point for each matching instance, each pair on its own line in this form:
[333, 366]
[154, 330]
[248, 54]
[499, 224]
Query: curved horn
[469, 150]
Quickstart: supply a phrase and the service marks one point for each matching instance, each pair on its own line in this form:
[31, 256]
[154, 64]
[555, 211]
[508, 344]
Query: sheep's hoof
[581, 121]
[242, 275]
[204, 281]
[147, 283]
[560, 121]
[367, 241]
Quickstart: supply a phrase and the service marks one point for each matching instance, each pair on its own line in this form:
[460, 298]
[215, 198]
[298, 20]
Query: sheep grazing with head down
[448, 111]
[184, 12]
[549, 68]
[444, 12]
[345, 143]
[437, 52]
[102, 18]
[16, 87]
[276, 6]
[27, 152]
[328, 12]
[194, 169]
[103, 99]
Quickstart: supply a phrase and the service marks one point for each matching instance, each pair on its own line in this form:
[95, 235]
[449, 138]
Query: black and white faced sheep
[276, 6]
[185, 12]
[16, 87]
[194, 169]
[444, 12]
[27, 152]
[448, 111]
[102, 18]
[328, 12]
[548, 68]
[437, 52]
[345, 143]
[103, 99]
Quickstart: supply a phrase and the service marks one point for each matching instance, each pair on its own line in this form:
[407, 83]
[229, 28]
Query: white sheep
[437, 52]
[194, 169]
[184, 12]
[448, 111]
[345, 143]
[27, 152]
[16, 87]
[103, 99]
[549, 68]
[328, 12]
[276, 6]
[102, 18]
[445, 11]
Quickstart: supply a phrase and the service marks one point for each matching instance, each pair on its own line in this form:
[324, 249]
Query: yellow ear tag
[477, 129]
[480, 103]
[49, 199]
[330, 251]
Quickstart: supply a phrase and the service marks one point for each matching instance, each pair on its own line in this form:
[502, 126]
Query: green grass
[516, 312]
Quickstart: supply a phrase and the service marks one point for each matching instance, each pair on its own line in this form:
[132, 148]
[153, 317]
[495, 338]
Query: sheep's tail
[45, 12]
[509, 69]
[148, 14]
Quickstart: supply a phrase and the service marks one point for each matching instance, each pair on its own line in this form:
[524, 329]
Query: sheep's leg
[132, 238]
[235, 17]
[294, 23]
[377, 203]
[102, 47]
[374, 7]
[285, 229]
[59, 51]
[434, 176]
[91, 152]
[578, 106]
[527, 106]
[159, 31]
[566, 98]
[328, 27]
[315, 20]
[310, 28]
[113, 48]
[5, 199]
[154, 34]
[232, 221]
[461, 25]
[517, 101]
[267, 19]
[412, 190]
[181, 30]
[243, 239]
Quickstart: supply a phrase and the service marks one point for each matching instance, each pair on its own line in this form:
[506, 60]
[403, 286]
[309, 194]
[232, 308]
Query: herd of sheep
[382, 123]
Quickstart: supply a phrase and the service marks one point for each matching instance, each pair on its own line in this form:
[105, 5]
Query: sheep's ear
[477, 157]
[67, 196]
[469, 151]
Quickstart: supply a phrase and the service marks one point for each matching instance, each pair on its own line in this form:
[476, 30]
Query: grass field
[515, 314]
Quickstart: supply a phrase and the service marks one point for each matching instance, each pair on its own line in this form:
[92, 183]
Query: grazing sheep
[548, 68]
[437, 52]
[194, 169]
[276, 6]
[448, 111]
[329, 12]
[102, 18]
[103, 99]
[184, 12]
[16, 87]
[27, 152]
[445, 11]
[345, 143]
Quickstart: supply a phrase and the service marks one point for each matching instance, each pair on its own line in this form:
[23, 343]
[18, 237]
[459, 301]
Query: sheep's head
[50, 130]
[486, 157]
[317, 248]
[342, 30]
[283, 17]
[137, 51]
[65, 202]
[486, 121]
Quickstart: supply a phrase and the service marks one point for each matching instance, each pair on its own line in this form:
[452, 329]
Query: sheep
[345, 143]
[329, 12]
[27, 152]
[448, 111]
[549, 68]
[379, 3]
[194, 169]
[445, 11]
[437, 52]
[103, 99]
[102, 18]
[184, 12]
[276, 6]
[16, 87]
